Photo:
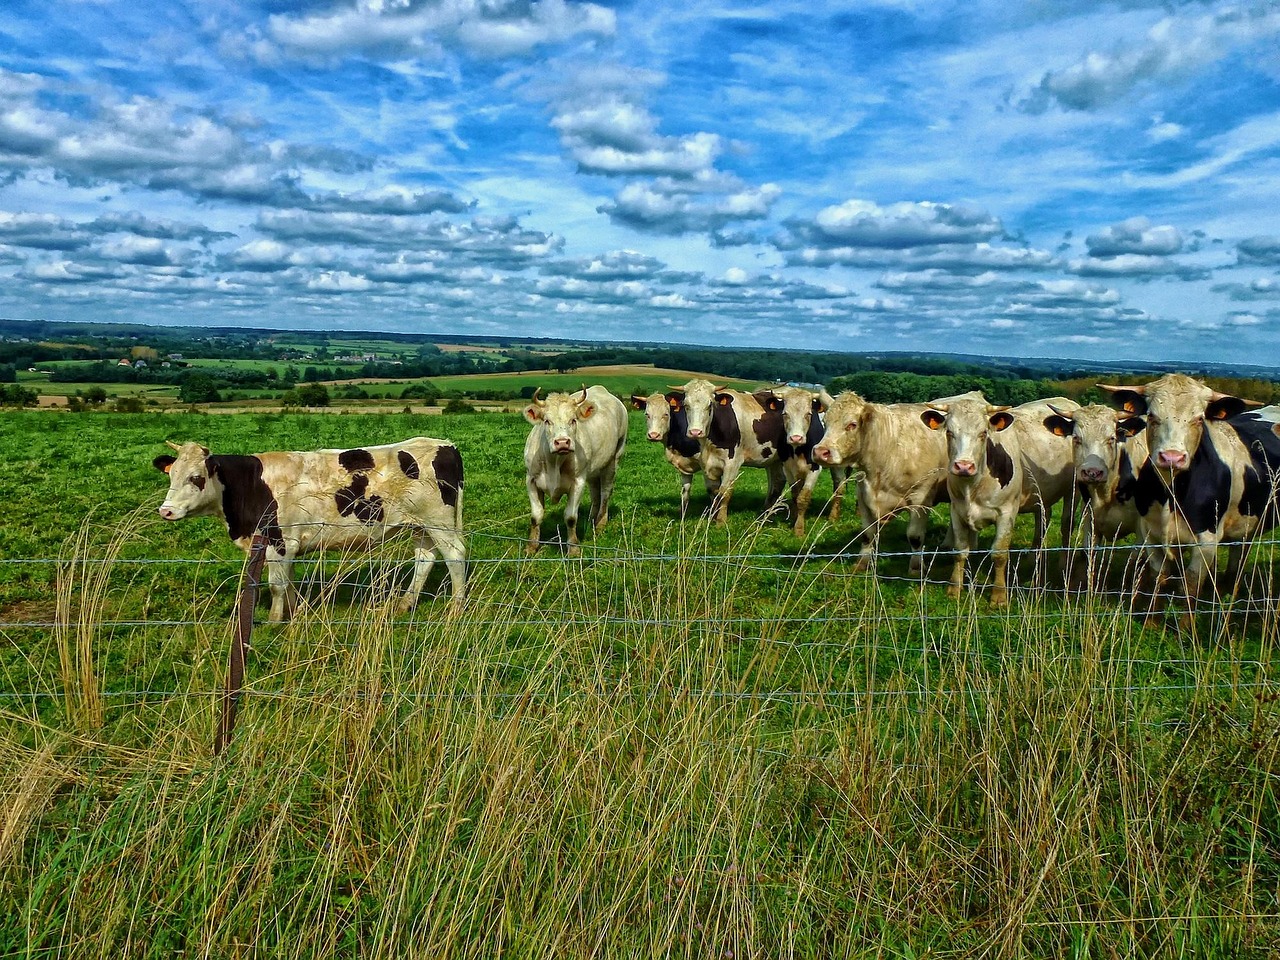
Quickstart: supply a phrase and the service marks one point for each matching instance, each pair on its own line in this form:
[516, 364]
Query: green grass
[691, 742]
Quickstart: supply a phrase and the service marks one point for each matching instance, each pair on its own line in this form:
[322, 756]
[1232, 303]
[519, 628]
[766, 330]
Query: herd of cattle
[1184, 467]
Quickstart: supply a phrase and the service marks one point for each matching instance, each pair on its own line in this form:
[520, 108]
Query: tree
[198, 388]
[95, 396]
[312, 395]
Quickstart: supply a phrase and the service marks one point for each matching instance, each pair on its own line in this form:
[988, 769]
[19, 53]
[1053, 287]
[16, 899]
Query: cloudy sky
[1040, 178]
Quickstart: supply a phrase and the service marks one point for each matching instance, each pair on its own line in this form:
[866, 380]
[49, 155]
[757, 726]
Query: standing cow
[735, 429]
[1001, 462]
[1201, 482]
[327, 499]
[1108, 449]
[577, 439]
[803, 428]
[666, 423]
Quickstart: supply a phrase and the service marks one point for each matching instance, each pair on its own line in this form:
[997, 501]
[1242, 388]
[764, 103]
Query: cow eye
[195, 481]
[851, 425]
[572, 421]
[1076, 440]
[1152, 419]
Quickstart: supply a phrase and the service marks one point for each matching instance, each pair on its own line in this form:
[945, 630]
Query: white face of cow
[558, 416]
[845, 417]
[699, 395]
[1176, 407]
[193, 490]
[798, 410]
[968, 424]
[657, 414]
[1097, 435]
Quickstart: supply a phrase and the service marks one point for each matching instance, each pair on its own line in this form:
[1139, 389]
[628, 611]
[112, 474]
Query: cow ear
[723, 399]
[775, 403]
[1059, 425]
[1223, 408]
[1127, 399]
[1001, 420]
[585, 410]
[164, 463]
[675, 401]
[933, 419]
[639, 402]
[533, 413]
[1130, 427]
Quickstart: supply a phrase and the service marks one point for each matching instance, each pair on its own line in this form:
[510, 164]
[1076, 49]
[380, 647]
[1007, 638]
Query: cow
[303, 502]
[1001, 462]
[1109, 448]
[735, 429]
[1202, 481]
[576, 441]
[802, 426]
[901, 465]
[667, 423]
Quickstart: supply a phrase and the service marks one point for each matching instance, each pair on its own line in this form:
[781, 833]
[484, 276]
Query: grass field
[690, 742]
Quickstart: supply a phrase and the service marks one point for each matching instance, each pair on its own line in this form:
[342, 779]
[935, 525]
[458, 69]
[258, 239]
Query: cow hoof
[953, 592]
[999, 599]
[575, 551]
[863, 565]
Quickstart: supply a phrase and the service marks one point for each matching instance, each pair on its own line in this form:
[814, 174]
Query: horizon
[1054, 182]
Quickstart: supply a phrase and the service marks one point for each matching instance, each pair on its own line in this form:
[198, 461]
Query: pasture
[690, 742]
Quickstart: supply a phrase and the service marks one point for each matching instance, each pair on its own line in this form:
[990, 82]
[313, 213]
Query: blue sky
[1045, 178]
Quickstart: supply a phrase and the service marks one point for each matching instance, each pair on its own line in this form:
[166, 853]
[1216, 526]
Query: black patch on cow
[447, 466]
[725, 432]
[164, 462]
[1260, 477]
[354, 461]
[999, 463]
[1127, 485]
[408, 465]
[770, 429]
[677, 438]
[1202, 492]
[247, 502]
[198, 482]
[352, 501]
[814, 437]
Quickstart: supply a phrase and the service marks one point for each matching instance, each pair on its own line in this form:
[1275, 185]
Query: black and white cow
[302, 502]
[666, 423]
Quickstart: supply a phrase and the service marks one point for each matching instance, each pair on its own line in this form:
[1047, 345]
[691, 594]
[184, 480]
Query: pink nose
[1171, 458]
[964, 468]
[823, 454]
[654, 435]
[695, 432]
[563, 445]
[796, 438]
[166, 512]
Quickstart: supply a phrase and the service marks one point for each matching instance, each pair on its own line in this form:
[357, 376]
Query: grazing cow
[1108, 450]
[735, 429]
[328, 499]
[577, 439]
[1208, 476]
[666, 423]
[802, 426]
[901, 465]
[995, 472]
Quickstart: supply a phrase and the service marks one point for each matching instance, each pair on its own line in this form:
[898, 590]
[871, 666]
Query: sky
[1044, 178]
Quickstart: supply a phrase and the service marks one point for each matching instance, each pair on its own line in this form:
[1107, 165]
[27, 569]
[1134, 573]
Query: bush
[459, 406]
[12, 395]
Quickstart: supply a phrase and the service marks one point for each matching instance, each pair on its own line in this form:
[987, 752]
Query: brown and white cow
[302, 502]
[735, 429]
[901, 465]
[666, 423]
[803, 427]
[1001, 462]
[1108, 449]
[576, 441]
[1200, 483]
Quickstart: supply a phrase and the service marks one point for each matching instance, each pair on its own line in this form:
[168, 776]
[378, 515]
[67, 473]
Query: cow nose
[564, 443]
[655, 435]
[1092, 474]
[964, 468]
[166, 512]
[823, 454]
[695, 432]
[796, 438]
[1174, 459]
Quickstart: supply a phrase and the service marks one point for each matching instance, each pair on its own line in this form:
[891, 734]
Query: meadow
[690, 742]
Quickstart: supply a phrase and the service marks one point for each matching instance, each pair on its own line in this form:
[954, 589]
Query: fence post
[245, 604]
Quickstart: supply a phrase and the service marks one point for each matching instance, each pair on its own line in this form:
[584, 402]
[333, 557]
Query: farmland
[690, 742]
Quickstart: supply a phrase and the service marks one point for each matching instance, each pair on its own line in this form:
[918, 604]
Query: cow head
[968, 424]
[698, 397]
[845, 417]
[558, 415]
[1175, 408]
[658, 409]
[799, 409]
[1097, 436]
[194, 487]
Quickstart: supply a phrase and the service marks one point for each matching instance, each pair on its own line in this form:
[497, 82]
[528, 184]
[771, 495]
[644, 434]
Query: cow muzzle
[796, 439]
[1092, 470]
[562, 445]
[694, 433]
[825, 454]
[1171, 460]
[168, 512]
[655, 435]
[964, 468]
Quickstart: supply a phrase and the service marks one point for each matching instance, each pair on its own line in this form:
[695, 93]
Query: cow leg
[839, 479]
[1037, 542]
[720, 503]
[917, 524]
[283, 592]
[1201, 566]
[686, 481]
[802, 495]
[601, 493]
[571, 514]
[537, 510]
[449, 545]
[872, 523]
[777, 485]
[1000, 558]
[960, 539]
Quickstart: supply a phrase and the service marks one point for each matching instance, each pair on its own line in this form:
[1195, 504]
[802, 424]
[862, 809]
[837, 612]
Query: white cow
[577, 439]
